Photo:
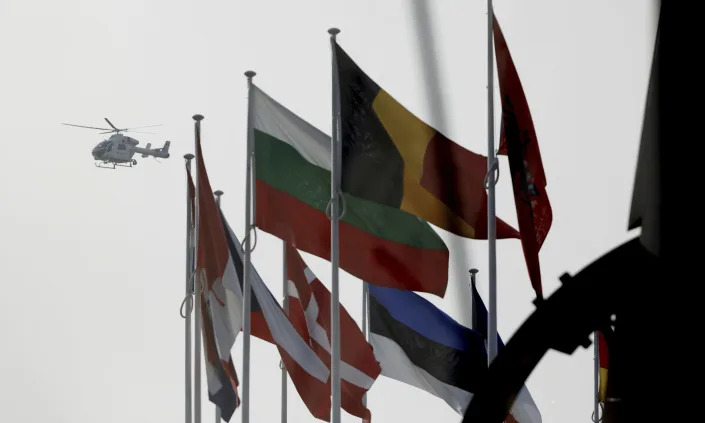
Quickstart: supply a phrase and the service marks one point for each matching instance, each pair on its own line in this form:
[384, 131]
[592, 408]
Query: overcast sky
[93, 260]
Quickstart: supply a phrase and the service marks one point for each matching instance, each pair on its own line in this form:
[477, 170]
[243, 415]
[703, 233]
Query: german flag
[391, 157]
[604, 360]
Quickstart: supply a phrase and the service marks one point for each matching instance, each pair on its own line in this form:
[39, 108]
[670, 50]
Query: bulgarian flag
[378, 243]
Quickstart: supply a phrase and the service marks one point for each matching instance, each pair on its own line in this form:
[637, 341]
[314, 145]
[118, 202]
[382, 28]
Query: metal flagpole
[334, 193]
[246, 262]
[365, 323]
[596, 409]
[491, 228]
[188, 418]
[197, 291]
[473, 316]
[217, 194]
[285, 303]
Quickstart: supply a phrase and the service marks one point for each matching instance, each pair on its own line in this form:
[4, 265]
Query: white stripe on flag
[284, 333]
[318, 334]
[277, 121]
[291, 290]
[396, 365]
[524, 409]
[310, 277]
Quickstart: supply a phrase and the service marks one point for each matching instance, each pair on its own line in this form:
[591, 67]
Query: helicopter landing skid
[129, 164]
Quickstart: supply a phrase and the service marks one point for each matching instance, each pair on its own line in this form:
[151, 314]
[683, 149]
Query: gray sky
[93, 259]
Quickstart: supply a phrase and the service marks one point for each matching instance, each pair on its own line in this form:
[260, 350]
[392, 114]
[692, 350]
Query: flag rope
[244, 240]
[493, 170]
[188, 298]
[188, 301]
[600, 418]
[343, 206]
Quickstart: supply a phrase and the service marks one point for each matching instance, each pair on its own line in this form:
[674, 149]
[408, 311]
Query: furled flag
[391, 157]
[518, 141]
[270, 323]
[308, 297]
[524, 408]
[221, 297]
[418, 344]
[603, 356]
[378, 243]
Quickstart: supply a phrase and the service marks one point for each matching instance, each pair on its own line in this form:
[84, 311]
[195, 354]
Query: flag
[604, 365]
[518, 141]
[220, 376]
[309, 298]
[293, 178]
[418, 344]
[221, 297]
[524, 408]
[391, 157]
[290, 336]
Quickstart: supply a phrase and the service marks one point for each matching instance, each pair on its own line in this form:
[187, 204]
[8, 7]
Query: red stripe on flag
[382, 262]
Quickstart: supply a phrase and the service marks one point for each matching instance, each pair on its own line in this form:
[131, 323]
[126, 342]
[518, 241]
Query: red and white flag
[309, 300]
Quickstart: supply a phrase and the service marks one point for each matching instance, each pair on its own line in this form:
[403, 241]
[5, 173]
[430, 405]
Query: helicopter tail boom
[146, 148]
[162, 152]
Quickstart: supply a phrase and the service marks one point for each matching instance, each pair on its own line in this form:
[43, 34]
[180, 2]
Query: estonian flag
[418, 344]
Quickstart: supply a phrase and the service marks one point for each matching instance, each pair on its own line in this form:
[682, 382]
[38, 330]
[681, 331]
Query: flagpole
[491, 220]
[197, 290]
[596, 348]
[285, 303]
[473, 309]
[365, 323]
[246, 262]
[334, 192]
[218, 193]
[188, 397]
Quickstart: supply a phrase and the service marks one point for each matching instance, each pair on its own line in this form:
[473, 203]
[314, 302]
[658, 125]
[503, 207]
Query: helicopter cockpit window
[121, 147]
[110, 147]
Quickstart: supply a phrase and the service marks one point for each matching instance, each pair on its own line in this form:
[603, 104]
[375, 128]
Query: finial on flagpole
[188, 156]
[333, 32]
[473, 272]
[217, 194]
[249, 74]
[198, 118]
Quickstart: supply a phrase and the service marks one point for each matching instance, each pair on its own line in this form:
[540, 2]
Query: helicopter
[119, 149]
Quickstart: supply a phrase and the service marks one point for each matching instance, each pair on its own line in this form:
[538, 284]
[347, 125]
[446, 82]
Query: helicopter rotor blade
[140, 127]
[111, 124]
[89, 127]
[139, 132]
